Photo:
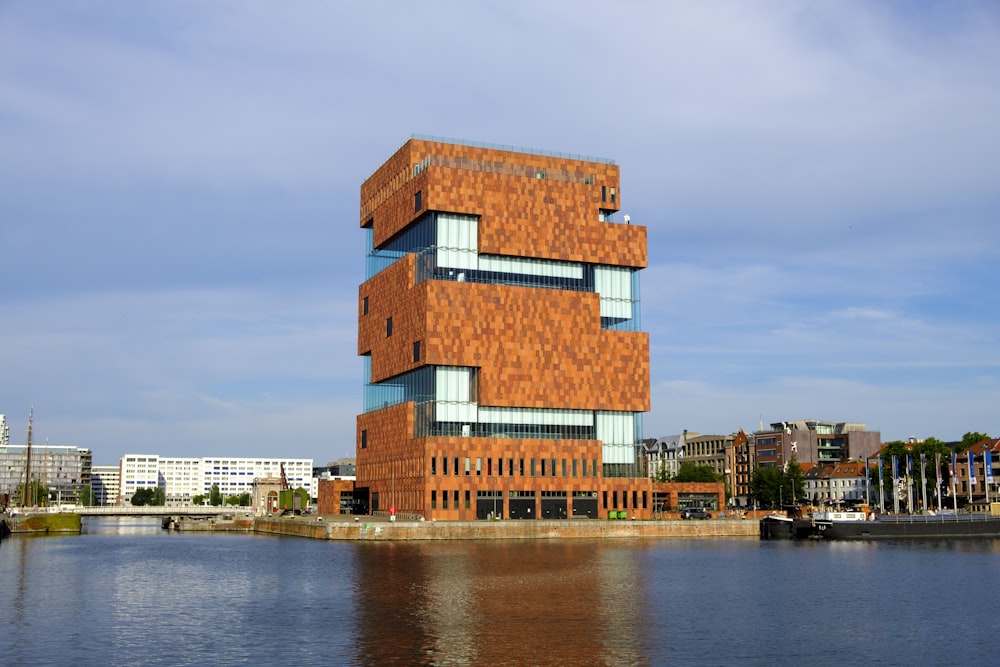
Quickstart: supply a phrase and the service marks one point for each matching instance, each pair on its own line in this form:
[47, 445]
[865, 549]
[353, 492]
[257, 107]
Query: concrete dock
[379, 529]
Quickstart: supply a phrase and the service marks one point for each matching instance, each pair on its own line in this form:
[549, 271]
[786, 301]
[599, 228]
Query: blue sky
[179, 191]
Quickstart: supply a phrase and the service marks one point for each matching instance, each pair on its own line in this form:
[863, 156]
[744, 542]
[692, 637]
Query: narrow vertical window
[604, 193]
[479, 466]
[434, 500]
[364, 439]
[612, 195]
[434, 465]
[364, 306]
[416, 351]
[417, 201]
[468, 501]
[388, 327]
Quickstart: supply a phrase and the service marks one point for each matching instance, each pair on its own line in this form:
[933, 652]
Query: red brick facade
[532, 347]
[329, 494]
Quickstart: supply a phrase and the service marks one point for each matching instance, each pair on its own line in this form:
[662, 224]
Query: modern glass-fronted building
[62, 470]
[506, 372]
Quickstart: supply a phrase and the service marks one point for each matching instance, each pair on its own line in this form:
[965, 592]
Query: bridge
[159, 510]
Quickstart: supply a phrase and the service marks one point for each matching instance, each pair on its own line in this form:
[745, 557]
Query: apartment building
[105, 483]
[815, 441]
[61, 469]
[183, 478]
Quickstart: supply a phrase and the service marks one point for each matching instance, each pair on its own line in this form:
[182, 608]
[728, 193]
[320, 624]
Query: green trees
[31, 495]
[661, 474]
[690, 471]
[910, 469]
[241, 500]
[773, 486]
[149, 497]
[972, 438]
[86, 496]
[215, 496]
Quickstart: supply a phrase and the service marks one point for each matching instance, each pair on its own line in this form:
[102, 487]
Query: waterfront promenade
[379, 529]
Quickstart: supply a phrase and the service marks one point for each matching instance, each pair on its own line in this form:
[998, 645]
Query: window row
[455, 499]
[511, 467]
[447, 247]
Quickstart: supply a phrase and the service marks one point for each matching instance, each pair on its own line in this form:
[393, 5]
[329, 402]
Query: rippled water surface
[127, 593]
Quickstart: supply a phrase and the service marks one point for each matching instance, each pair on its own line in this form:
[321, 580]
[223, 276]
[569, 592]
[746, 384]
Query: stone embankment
[371, 529]
[42, 522]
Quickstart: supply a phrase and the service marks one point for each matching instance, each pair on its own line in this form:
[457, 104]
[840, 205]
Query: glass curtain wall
[447, 248]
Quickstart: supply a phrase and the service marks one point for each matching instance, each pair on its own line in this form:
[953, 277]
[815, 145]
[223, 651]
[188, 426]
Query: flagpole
[881, 488]
[937, 465]
[923, 482]
[868, 482]
[895, 484]
[954, 488]
[988, 472]
[972, 473]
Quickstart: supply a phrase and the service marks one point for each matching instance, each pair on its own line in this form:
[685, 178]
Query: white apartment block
[184, 478]
[105, 481]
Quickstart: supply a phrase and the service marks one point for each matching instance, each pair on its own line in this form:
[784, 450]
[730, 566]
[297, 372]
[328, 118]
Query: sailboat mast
[27, 498]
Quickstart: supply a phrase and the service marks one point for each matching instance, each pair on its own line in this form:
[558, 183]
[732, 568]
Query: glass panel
[457, 241]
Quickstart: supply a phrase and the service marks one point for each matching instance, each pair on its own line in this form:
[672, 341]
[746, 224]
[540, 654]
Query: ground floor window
[707, 501]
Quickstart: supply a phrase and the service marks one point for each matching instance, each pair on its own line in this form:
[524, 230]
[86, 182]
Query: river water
[128, 593]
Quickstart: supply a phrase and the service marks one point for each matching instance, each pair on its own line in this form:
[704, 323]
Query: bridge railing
[159, 510]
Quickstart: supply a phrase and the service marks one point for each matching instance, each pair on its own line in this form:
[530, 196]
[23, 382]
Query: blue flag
[972, 468]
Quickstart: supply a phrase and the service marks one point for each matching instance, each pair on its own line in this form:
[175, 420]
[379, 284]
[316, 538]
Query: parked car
[695, 513]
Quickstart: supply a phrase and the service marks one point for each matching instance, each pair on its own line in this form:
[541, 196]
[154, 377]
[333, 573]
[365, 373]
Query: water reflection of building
[499, 326]
[578, 603]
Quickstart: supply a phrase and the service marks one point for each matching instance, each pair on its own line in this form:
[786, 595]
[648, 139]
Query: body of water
[128, 593]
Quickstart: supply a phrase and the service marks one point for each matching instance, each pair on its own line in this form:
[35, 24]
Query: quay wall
[504, 530]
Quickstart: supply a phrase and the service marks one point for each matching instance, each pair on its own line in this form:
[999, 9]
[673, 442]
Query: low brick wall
[505, 530]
